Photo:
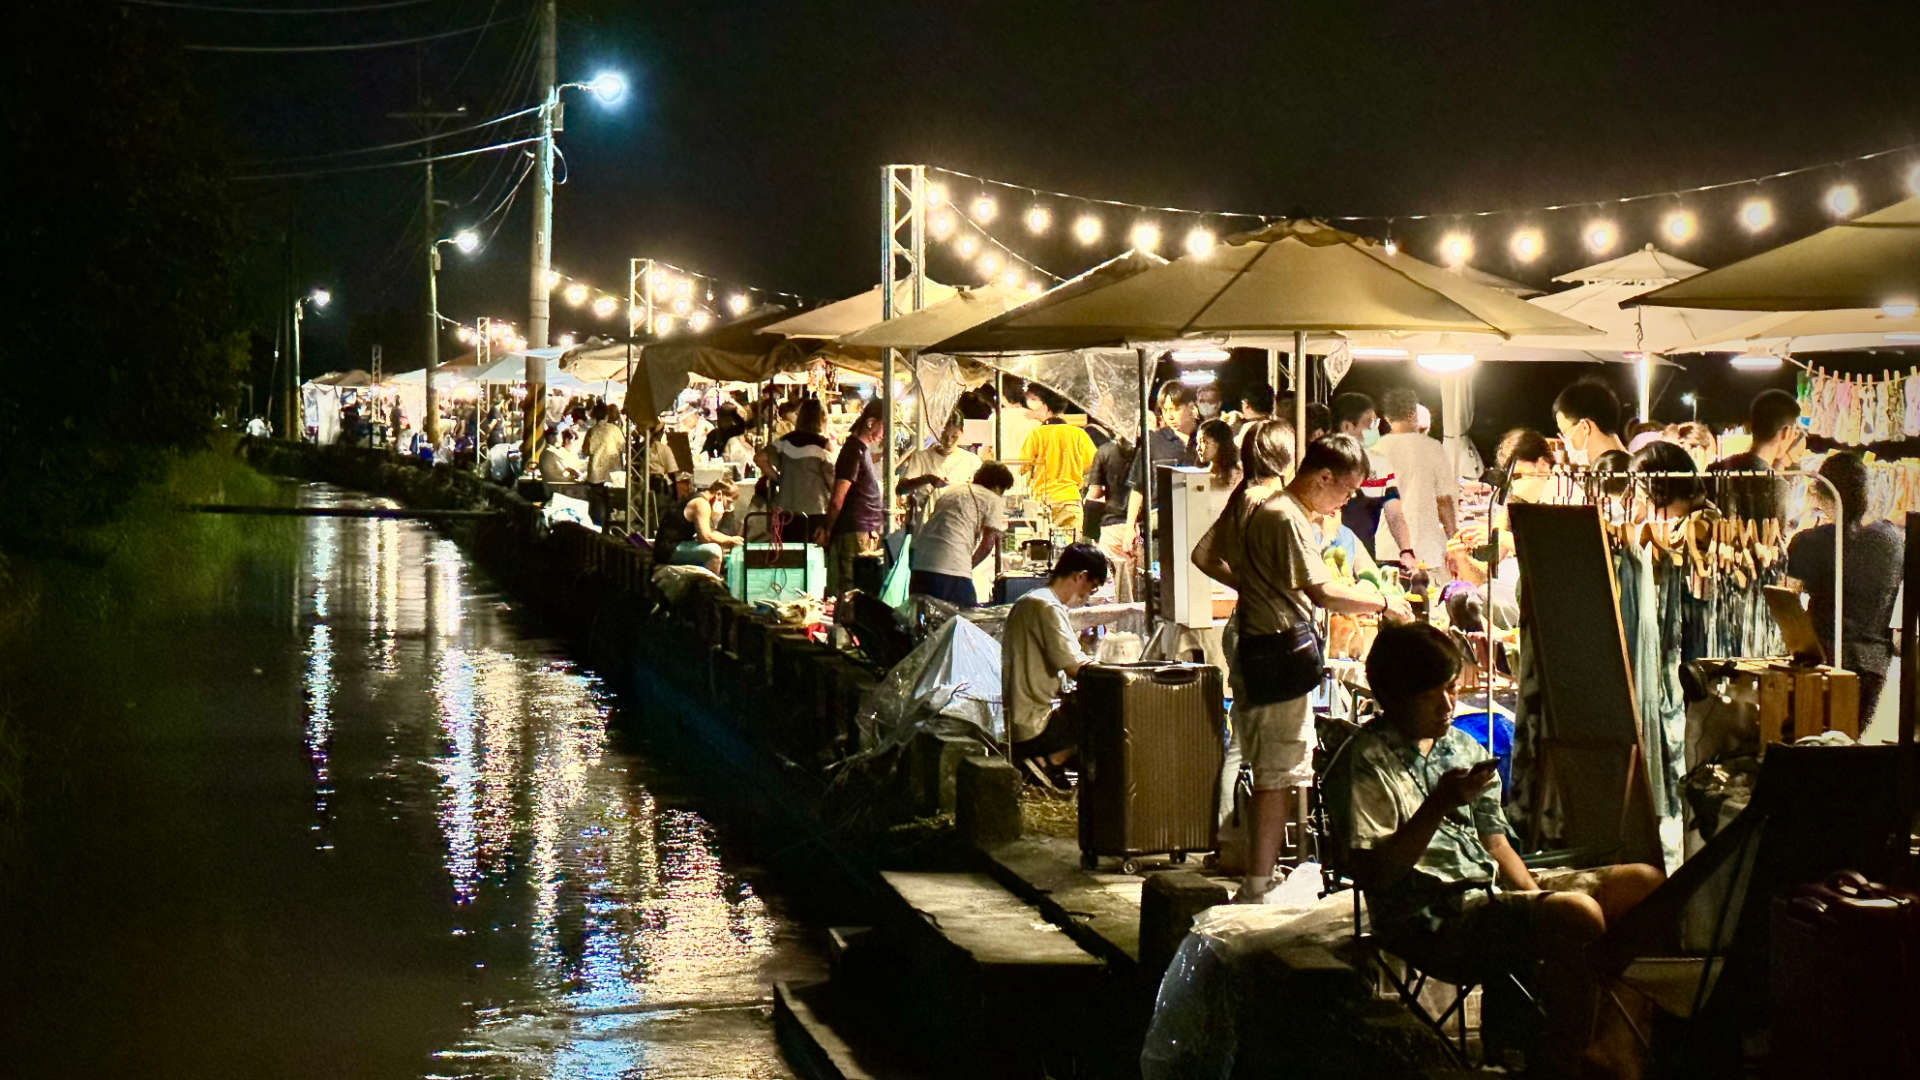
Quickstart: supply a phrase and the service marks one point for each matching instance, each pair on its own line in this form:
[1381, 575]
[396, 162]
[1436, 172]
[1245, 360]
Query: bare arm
[1449, 518]
[1397, 526]
[1392, 857]
[1513, 871]
[1348, 599]
[988, 539]
[702, 512]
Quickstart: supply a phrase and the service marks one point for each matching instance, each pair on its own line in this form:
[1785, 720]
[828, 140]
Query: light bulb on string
[575, 295]
[658, 281]
[1145, 236]
[1200, 241]
[936, 193]
[685, 288]
[1756, 215]
[737, 303]
[982, 209]
[566, 341]
[605, 307]
[1086, 228]
[1527, 244]
[1456, 248]
[699, 321]
[682, 305]
[1679, 226]
[1011, 277]
[1842, 200]
[663, 325]
[465, 335]
[1600, 236]
[553, 279]
[989, 265]
[1039, 219]
[966, 245]
[941, 224]
[1035, 287]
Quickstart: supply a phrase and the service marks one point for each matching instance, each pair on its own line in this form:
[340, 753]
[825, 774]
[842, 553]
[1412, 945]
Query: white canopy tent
[857, 312]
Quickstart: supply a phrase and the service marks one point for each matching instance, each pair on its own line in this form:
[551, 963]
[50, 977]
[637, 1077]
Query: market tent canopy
[856, 312]
[600, 363]
[1815, 331]
[1869, 262]
[462, 370]
[965, 309]
[512, 367]
[1292, 276]
[1648, 266]
[1629, 329]
[1496, 282]
[738, 351]
[355, 377]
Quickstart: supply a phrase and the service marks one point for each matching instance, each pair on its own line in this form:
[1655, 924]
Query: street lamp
[468, 242]
[1691, 402]
[319, 298]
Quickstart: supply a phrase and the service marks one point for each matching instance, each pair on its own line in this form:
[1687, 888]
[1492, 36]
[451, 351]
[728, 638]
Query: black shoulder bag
[1281, 666]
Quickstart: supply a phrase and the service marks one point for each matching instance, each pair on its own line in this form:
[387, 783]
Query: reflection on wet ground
[357, 821]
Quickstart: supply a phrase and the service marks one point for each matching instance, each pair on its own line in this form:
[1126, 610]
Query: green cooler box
[758, 572]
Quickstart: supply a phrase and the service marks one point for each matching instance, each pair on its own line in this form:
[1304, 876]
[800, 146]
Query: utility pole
[430, 423]
[542, 260]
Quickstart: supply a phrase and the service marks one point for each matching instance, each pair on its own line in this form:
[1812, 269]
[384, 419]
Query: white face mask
[1209, 410]
[1529, 488]
[1576, 455]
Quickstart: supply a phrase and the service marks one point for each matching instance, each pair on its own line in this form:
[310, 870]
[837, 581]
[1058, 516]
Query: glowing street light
[467, 241]
[608, 86]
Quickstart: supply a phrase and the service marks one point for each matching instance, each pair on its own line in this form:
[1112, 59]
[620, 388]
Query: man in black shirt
[1778, 442]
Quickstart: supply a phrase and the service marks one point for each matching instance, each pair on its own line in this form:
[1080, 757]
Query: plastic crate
[758, 572]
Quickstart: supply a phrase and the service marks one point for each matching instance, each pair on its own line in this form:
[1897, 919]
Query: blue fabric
[1500, 745]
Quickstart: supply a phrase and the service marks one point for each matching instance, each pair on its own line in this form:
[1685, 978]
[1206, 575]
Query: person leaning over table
[967, 521]
[1266, 547]
[1414, 805]
[697, 539]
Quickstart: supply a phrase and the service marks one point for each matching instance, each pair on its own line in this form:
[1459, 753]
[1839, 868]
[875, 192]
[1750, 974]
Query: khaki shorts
[1277, 741]
[1493, 932]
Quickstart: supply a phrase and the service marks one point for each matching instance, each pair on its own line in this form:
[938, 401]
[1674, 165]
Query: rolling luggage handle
[1176, 676]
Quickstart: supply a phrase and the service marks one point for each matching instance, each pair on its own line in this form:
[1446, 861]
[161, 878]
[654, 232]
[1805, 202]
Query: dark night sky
[750, 149]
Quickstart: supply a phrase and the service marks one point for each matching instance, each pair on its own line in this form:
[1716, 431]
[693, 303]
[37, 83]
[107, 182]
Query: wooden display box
[1796, 702]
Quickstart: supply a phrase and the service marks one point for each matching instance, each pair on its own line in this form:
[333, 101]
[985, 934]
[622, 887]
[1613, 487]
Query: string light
[1679, 226]
[682, 305]
[1034, 288]
[1527, 244]
[1391, 246]
[566, 341]
[465, 334]
[1842, 200]
[1456, 248]
[1145, 236]
[737, 303]
[936, 194]
[575, 295]
[989, 265]
[699, 321]
[1200, 242]
[662, 325]
[657, 279]
[1011, 277]
[1756, 214]
[1039, 219]
[982, 209]
[685, 288]
[966, 246]
[1086, 229]
[941, 224]
[605, 307]
[1601, 236]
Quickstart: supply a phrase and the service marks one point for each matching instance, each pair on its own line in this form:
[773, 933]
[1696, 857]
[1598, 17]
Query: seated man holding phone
[1415, 805]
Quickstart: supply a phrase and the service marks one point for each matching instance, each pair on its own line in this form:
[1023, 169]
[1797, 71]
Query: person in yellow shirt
[1057, 455]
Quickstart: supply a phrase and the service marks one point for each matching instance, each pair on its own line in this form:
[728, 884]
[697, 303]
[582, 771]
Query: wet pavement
[356, 819]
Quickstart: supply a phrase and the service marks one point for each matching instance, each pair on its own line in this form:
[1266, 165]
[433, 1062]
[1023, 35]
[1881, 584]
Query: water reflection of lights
[320, 683]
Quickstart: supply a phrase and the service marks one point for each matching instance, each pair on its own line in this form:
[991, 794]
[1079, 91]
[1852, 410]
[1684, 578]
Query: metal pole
[1299, 397]
[293, 377]
[1144, 455]
[542, 260]
[430, 420]
[646, 434]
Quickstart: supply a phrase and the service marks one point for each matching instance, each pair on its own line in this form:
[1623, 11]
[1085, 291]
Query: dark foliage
[123, 341]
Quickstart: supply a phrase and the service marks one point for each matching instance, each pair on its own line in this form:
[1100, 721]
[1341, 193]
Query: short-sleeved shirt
[1755, 497]
[1112, 472]
[1422, 475]
[1036, 648]
[1057, 455]
[1274, 549]
[946, 543]
[1362, 512]
[1874, 556]
[860, 511]
[604, 449]
[1377, 782]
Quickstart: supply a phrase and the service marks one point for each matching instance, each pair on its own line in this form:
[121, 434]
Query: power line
[346, 9]
[354, 47]
[391, 164]
[401, 144]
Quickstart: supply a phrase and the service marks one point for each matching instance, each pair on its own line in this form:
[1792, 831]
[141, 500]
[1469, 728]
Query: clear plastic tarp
[948, 685]
[1104, 382]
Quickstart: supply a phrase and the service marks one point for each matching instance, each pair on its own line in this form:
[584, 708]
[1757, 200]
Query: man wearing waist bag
[1266, 547]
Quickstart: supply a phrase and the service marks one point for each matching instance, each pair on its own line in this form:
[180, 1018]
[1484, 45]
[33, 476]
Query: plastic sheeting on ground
[1197, 1013]
[948, 685]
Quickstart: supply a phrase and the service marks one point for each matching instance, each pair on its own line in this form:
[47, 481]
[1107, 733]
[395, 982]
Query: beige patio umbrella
[857, 312]
[1785, 332]
[1870, 262]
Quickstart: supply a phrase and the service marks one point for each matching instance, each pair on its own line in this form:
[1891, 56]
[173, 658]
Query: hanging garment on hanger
[1873, 413]
[1910, 425]
[1827, 406]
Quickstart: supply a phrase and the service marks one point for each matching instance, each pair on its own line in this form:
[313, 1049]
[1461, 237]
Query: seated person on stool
[1037, 648]
[1416, 806]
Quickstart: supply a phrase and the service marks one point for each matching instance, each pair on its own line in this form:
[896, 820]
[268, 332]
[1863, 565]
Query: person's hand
[939, 481]
[1458, 787]
[820, 535]
[1408, 560]
[1397, 610]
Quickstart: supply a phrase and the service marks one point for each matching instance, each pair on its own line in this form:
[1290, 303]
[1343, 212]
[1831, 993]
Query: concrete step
[825, 1036]
[996, 929]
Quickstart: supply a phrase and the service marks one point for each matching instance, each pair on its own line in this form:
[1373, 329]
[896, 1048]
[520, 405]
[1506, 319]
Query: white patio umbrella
[1869, 262]
[855, 312]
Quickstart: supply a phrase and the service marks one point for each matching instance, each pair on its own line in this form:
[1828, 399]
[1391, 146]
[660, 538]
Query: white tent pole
[1299, 396]
[1144, 455]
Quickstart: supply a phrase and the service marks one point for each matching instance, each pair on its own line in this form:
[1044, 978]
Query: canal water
[357, 818]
